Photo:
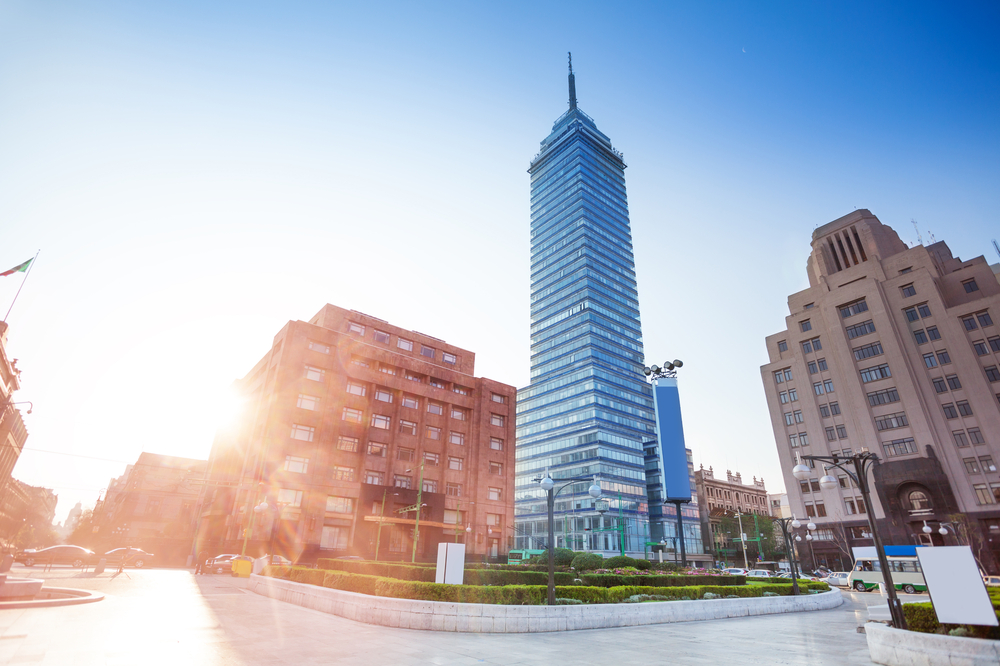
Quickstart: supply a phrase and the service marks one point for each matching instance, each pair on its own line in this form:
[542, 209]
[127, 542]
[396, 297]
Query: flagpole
[22, 285]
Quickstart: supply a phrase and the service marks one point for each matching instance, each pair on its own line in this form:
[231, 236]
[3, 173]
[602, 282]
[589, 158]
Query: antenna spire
[572, 84]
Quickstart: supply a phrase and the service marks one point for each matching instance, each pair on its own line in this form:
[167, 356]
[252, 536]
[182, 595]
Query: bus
[906, 573]
[519, 556]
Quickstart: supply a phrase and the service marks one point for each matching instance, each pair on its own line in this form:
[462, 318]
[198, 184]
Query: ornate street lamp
[548, 484]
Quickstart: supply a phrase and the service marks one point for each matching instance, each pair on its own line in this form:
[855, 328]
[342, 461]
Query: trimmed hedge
[920, 617]
[383, 569]
[499, 577]
[615, 580]
[622, 561]
[588, 562]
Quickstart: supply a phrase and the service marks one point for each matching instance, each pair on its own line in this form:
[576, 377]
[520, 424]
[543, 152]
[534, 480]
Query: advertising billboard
[670, 433]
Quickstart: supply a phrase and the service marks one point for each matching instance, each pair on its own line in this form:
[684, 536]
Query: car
[759, 573]
[221, 563]
[278, 560]
[735, 571]
[134, 557]
[992, 581]
[838, 578]
[75, 556]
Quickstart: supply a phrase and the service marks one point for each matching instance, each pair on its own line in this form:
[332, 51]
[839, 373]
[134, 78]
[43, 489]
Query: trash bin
[242, 568]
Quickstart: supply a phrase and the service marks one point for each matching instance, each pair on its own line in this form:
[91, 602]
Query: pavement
[171, 616]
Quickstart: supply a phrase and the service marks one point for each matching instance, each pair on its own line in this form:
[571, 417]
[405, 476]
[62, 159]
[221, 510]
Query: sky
[196, 174]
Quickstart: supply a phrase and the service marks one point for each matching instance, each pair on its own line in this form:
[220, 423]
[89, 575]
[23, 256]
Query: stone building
[350, 425]
[13, 434]
[894, 350]
[718, 499]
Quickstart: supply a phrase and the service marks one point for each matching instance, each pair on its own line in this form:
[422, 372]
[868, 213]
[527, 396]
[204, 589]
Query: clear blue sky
[197, 175]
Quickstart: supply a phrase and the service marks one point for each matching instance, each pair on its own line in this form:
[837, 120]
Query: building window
[429, 486]
[341, 473]
[853, 308]
[779, 377]
[381, 422]
[875, 373]
[849, 507]
[961, 441]
[807, 347]
[890, 421]
[336, 504]
[296, 464]
[911, 314]
[970, 323]
[788, 419]
[920, 336]
[980, 348]
[453, 489]
[964, 408]
[930, 361]
[949, 411]
[455, 463]
[405, 345]
[831, 434]
[461, 390]
[987, 463]
[381, 336]
[970, 286]
[433, 433]
[982, 494]
[432, 459]
[828, 385]
[798, 416]
[373, 477]
[908, 290]
[434, 408]
[356, 389]
[377, 449]
[842, 432]
[493, 519]
[290, 497]
[315, 374]
[824, 411]
[899, 447]
[437, 383]
[793, 395]
[457, 438]
[835, 408]
[782, 346]
[820, 510]
[305, 433]
[992, 374]
[818, 388]
[496, 468]
[867, 351]
[307, 402]
[984, 319]
[932, 333]
[411, 402]
[496, 419]
[449, 358]
[924, 310]
[317, 347]
[821, 363]
[404, 454]
[858, 330]
[813, 369]
[360, 362]
[783, 397]
[387, 369]
[382, 395]
[494, 494]
[810, 510]
[953, 382]
[407, 427]
[804, 441]
[458, 414]
[349, 444]
[427, 351]
[402, 481]
[806, 325]
[976, 436]
[496, 397]
[357, 329]
[794, 441]
[939, 384]
[496, 443]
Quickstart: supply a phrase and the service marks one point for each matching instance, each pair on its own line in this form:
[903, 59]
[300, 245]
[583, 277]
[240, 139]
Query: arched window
[918, 500]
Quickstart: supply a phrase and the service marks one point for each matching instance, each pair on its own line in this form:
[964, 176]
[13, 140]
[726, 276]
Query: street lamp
[861, 462]
[548, 484]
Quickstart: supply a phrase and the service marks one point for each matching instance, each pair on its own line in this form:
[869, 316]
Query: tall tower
[587, 409]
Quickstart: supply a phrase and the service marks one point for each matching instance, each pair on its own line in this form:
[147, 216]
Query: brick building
[351, 421]
[894, 350]
[718, 499]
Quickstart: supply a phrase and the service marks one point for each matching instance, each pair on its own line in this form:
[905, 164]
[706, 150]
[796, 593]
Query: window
[496, 468]
[932, 333]
[383, 395]
[853, 308]
[381, 336]
[381, 422]
[996, 492]
[804, 487]
[788, 419]
[858, 330]
[461, 390]
[402, 481]
[433, 432]
[407, 427]
[412, 377]
[970, 323]
[315, 374]
[939, 384]
[982, 494]
[496, 419]
[849, 507]
[930, 361]
[307, 402]
[429, 486]
[810, 510]
[296, 465]
[435, 408]
[970, 286]
[842, 432]
[458, 414]
[820, 509]
[875, 373]
[373, 478]
[821, 363]
[793, 395]
[783, 397]
[984, 319]
[804, 441]
[437, 383]
[432, 459]
[992, 374]
[349, 444]
[496, 443]
[356, 389]
[949, 411]
[798, 416]
[908, 290]
[828, 385]
[831, 435]
[377, 449]
[336, 504]
[360, 362]
[456, 438]
[341, 473]
[868, 351]
[794, 441]
[318, 347]
[493, 519]
[987, 463]
[813, 369]
[835, 408]
[961, 441]
[824, 411]
[427, 351]
[404, 454]
[788, 374]
[906, 270]
[976, 436]
[496, 397]
[818, 388]
[387, 369]
[890, 421]
[953, 382]
[290, 497]
[449, 358]
[455, 463]
[494, 494]
[807, 347]
[899, 447]
[920, 336]
[405, 345]
[882, 397]
[980, 348]
[779, 377]
[453, 489]
[924, 310]
[357, 329]
[782, 346]
[911, 314]
[806, 325]
[964, 408]
[411, 402]
[305, 433]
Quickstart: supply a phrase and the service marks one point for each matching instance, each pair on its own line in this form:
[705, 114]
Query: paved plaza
[170, 616]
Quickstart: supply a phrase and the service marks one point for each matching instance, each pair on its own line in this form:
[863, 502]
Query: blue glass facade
[588, 408]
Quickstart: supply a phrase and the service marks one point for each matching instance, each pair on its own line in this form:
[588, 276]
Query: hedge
[615, 580]
[920, 617]
[500, 577]
[383, 569]
[620, 561]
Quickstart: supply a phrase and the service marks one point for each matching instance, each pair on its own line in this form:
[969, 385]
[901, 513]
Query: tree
[761, 542]
[83, 533]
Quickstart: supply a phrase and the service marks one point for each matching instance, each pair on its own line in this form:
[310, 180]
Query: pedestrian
[200, 565]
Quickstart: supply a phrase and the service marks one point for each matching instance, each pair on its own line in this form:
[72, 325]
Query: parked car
[759, 573]
[838, 578]
[134, 557]
[735, 571]
[221, 563]
[75, 556]
[992, 581]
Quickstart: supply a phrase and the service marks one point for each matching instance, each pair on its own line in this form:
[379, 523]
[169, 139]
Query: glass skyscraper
[588, 409]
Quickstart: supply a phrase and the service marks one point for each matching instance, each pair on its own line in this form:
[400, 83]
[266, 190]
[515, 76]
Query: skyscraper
[587, 409]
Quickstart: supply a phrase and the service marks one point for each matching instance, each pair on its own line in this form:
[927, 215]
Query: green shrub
[563, 557]
[386, 569]
[567, 602]
[770, 594]
[276, 571]
[348, 582]
[710, 595]
[921, 617]
[615, 580]
[307, 576]
[619, 561]
[501, 577]
[642, 565]
[588, 562]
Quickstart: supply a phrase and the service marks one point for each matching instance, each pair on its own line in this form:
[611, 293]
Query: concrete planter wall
[491, 618]
[897, 647]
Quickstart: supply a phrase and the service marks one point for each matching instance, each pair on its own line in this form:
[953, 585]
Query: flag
[18, 269]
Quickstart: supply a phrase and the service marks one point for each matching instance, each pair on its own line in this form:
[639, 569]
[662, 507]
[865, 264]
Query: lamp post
[795, 524]
[381, 517]
[548, 485]
[861, 462]
[602, 508]
[419, 506]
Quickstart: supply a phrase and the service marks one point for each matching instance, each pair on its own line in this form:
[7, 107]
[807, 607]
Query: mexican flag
[18, 269]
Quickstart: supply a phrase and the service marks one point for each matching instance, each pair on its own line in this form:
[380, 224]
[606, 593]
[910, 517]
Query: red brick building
[349, 421]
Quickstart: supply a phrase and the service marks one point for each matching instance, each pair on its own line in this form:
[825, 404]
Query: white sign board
[956, 586]
[450, 564]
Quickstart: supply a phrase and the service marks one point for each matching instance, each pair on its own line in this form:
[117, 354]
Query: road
[170, 616]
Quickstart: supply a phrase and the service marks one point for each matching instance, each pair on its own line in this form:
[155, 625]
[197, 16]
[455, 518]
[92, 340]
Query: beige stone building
[895, 350]
[719, 498]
